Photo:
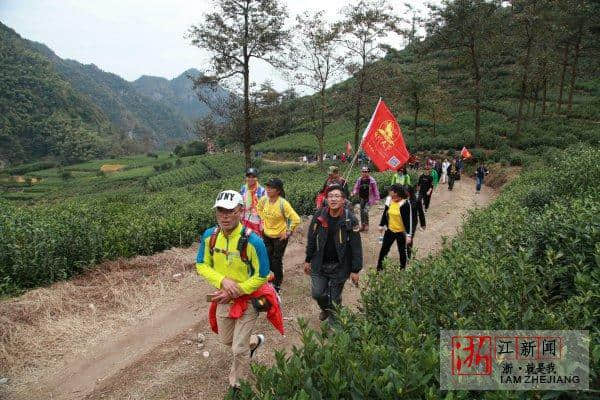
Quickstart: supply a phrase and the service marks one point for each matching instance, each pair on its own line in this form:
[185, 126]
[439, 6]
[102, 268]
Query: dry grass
[41, 327]
[111, 167]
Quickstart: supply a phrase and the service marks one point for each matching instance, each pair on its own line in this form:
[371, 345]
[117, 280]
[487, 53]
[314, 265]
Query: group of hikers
[242, 256]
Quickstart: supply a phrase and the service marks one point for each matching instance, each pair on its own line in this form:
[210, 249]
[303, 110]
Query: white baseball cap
[228, 199]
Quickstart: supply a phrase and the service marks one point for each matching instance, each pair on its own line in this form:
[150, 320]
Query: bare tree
[314, 62]
[365, 24]
[235, 33]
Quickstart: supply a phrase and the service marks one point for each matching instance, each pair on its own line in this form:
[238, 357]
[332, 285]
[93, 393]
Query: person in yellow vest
[398, 218]
[279, 222]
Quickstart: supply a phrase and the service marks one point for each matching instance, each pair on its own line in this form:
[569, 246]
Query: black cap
[275, 183]
[252, 171]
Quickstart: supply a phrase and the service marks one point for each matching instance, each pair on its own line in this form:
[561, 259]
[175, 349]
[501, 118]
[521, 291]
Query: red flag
[348, 148]
[383, 141]
[464, 153]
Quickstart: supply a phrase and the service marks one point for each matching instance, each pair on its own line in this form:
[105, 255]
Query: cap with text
[228, 199]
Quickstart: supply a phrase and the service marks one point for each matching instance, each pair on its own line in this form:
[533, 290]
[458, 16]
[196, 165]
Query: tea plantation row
[49, 242]
[529, 261]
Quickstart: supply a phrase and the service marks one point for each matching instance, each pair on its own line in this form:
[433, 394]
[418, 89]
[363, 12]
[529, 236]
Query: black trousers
[426, 199]
[364, 211]
[388, 240]
[327, 290]
[275, 249]
[451, 179]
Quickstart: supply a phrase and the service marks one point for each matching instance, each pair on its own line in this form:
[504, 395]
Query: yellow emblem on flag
[385, 132]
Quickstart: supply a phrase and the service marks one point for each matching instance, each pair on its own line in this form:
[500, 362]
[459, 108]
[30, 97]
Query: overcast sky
[136, 37]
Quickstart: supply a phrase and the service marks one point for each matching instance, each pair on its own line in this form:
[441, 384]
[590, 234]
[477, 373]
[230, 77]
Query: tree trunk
[477, 78]
[574, 67]
[544, 93]
[523, 86]
[562, 78]
[321, 135]
[535, 98]
[247, 141]
[359, 95]
[416, 98]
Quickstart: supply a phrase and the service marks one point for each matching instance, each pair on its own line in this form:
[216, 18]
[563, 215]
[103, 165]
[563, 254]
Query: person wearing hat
[368, 194]
[279, 221]
[251, 193]
[221, 263]
[334, 178]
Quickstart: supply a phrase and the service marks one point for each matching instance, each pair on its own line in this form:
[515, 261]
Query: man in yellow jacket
[221, 261]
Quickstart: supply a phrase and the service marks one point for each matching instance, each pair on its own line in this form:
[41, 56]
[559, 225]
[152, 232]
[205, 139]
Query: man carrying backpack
[480, 173]
[234, 260]
[425, 186]
[251, 193]
[333, 252]
[368, 193]
[334, 178]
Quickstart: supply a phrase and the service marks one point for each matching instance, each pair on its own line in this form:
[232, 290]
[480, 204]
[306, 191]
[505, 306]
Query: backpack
[242, 245]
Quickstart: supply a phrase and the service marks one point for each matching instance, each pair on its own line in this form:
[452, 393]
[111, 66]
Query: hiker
[279, 222]
[418, 215]
[435, 176]
[445, 166]
[401, 177]
[452, 174]
[233, 259]
[333, 252]
[368, 194]
[251, 192]
[333, 178]
[425, 186]
[438, 169]
[459, 167]
[398, 218]
[480, 173]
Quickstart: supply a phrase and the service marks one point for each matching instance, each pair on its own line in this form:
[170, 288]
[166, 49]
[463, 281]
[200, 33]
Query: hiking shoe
[261, 340]
[323, 315]
[234, 392]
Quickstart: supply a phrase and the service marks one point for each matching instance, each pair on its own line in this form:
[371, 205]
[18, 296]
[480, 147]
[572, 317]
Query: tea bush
[510, 268]
[192, 174]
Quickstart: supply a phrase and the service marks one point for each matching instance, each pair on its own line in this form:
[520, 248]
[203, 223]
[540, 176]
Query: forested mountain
[71, 111]
[177, 93]
[41, 114]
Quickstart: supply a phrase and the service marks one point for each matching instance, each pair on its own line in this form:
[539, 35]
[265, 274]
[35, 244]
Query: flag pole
[347, 174]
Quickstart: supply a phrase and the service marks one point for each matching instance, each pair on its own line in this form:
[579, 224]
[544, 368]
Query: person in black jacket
[425, 186]
[398, 218]
[333, 251]
[418, 215]
[452, 174]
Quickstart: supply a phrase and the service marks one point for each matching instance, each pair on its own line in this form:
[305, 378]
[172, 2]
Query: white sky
[137, 37]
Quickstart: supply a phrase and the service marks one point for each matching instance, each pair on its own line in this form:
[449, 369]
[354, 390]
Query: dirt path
[132, 336]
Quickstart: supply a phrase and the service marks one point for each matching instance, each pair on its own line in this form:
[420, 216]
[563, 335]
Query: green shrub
[510, 268]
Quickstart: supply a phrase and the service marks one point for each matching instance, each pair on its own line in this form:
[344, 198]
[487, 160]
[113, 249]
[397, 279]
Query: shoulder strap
[288, 222]
[213, 240]
[242, 245]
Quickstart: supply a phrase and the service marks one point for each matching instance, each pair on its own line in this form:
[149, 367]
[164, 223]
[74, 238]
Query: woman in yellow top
[398, 218]
[279, 221]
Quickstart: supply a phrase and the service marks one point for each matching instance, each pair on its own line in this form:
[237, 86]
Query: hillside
[41, 114]
[43, 94]
[177, 93]
[139, 117]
